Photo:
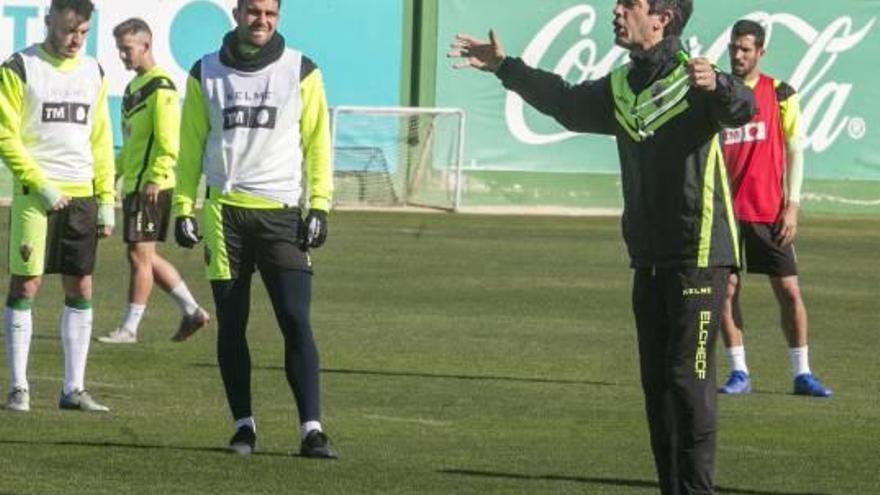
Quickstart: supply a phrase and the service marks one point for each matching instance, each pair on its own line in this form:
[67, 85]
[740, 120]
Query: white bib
[254, 144]
[59, 109]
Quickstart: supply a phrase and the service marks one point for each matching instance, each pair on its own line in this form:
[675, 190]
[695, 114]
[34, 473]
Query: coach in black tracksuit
[666, 112]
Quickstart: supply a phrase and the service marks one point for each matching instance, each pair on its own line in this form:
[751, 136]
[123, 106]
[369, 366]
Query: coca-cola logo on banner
[823, 99]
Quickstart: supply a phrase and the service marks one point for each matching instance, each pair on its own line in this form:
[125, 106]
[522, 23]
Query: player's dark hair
[745, 27]
[82, 8]
[240, 4]
[134, 25]
[681, 13]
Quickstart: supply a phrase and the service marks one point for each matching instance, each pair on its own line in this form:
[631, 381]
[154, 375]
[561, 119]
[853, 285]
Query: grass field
[460, 355]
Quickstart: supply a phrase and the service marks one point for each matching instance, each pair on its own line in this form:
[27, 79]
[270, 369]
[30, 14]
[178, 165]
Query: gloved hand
[313, 230]
[186, 232]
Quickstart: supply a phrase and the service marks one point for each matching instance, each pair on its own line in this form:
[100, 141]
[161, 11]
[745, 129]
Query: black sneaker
[243, 442]
[317, 446]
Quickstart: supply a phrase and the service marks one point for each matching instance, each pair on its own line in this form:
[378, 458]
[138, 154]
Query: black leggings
[290, 292]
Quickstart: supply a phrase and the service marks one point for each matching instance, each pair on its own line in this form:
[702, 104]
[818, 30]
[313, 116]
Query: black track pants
[677, 314]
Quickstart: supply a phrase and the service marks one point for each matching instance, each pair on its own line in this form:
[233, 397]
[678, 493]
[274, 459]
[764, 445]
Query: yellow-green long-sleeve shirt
[55, 130]
[237, 114]
[151, 131]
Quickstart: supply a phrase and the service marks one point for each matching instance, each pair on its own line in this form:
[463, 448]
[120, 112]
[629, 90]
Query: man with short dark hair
[255, 123]
[56, 139]
[765, 161]
[151, 130]
[665, 112]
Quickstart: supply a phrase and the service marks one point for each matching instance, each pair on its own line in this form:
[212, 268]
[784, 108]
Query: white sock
[184, 298]
[736, 356]
[800, 360]
[76, 332]
[248, 421]
[132, 318]
[19, 329]
[308, 426]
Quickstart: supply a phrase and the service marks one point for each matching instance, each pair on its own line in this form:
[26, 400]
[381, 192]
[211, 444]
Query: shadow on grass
[447, 376]
[603, 481]
[493, 378]
[444, 376]
[137, 446]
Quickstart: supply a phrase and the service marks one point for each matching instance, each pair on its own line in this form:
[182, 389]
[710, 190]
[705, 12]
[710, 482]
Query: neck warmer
[233, 54]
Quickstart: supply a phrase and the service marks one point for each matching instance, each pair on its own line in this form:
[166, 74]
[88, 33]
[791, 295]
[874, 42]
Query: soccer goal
[397, 156]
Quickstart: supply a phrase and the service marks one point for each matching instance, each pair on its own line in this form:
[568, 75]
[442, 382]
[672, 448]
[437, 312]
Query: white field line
[836, 199]
[418, 421]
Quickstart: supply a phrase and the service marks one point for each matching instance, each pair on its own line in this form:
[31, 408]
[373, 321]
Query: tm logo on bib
[749, 133]
[67, 113]
[249, 117]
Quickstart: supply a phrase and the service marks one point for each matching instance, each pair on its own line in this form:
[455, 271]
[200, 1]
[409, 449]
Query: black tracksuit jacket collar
[654, 64]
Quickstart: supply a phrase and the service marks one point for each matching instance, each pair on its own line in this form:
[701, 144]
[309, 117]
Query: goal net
[397, 156]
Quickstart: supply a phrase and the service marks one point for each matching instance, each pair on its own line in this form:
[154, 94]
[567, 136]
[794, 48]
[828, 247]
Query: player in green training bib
[151, 128]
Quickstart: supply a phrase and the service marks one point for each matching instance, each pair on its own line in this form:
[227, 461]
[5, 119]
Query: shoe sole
[17, 409]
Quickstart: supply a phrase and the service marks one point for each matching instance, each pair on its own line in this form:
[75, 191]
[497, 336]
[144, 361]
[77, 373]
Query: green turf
[460, 355]
[593, 190]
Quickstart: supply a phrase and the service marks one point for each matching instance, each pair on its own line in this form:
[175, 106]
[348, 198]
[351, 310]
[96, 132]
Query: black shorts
[762, 254]
[239, 239]
[72, 238]
[144, 221]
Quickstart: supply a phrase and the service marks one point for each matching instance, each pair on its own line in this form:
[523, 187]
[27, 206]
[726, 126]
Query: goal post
[397, 156]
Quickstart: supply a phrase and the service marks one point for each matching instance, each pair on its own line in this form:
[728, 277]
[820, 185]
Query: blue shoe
[809, 385]
[737, 383]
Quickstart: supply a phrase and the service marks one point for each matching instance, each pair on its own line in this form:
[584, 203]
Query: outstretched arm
[585, 107]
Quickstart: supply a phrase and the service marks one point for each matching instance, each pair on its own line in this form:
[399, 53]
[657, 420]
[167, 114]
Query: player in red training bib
[765, 164]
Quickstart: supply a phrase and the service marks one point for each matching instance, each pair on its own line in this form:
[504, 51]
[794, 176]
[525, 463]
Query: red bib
[755, 157]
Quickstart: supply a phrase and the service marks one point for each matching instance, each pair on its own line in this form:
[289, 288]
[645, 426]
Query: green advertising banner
[826, 50]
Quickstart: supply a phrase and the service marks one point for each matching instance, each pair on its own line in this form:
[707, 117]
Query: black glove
[313, 230]
[186, 232]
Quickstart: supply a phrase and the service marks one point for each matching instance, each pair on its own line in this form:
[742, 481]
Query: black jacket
[675, 213]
